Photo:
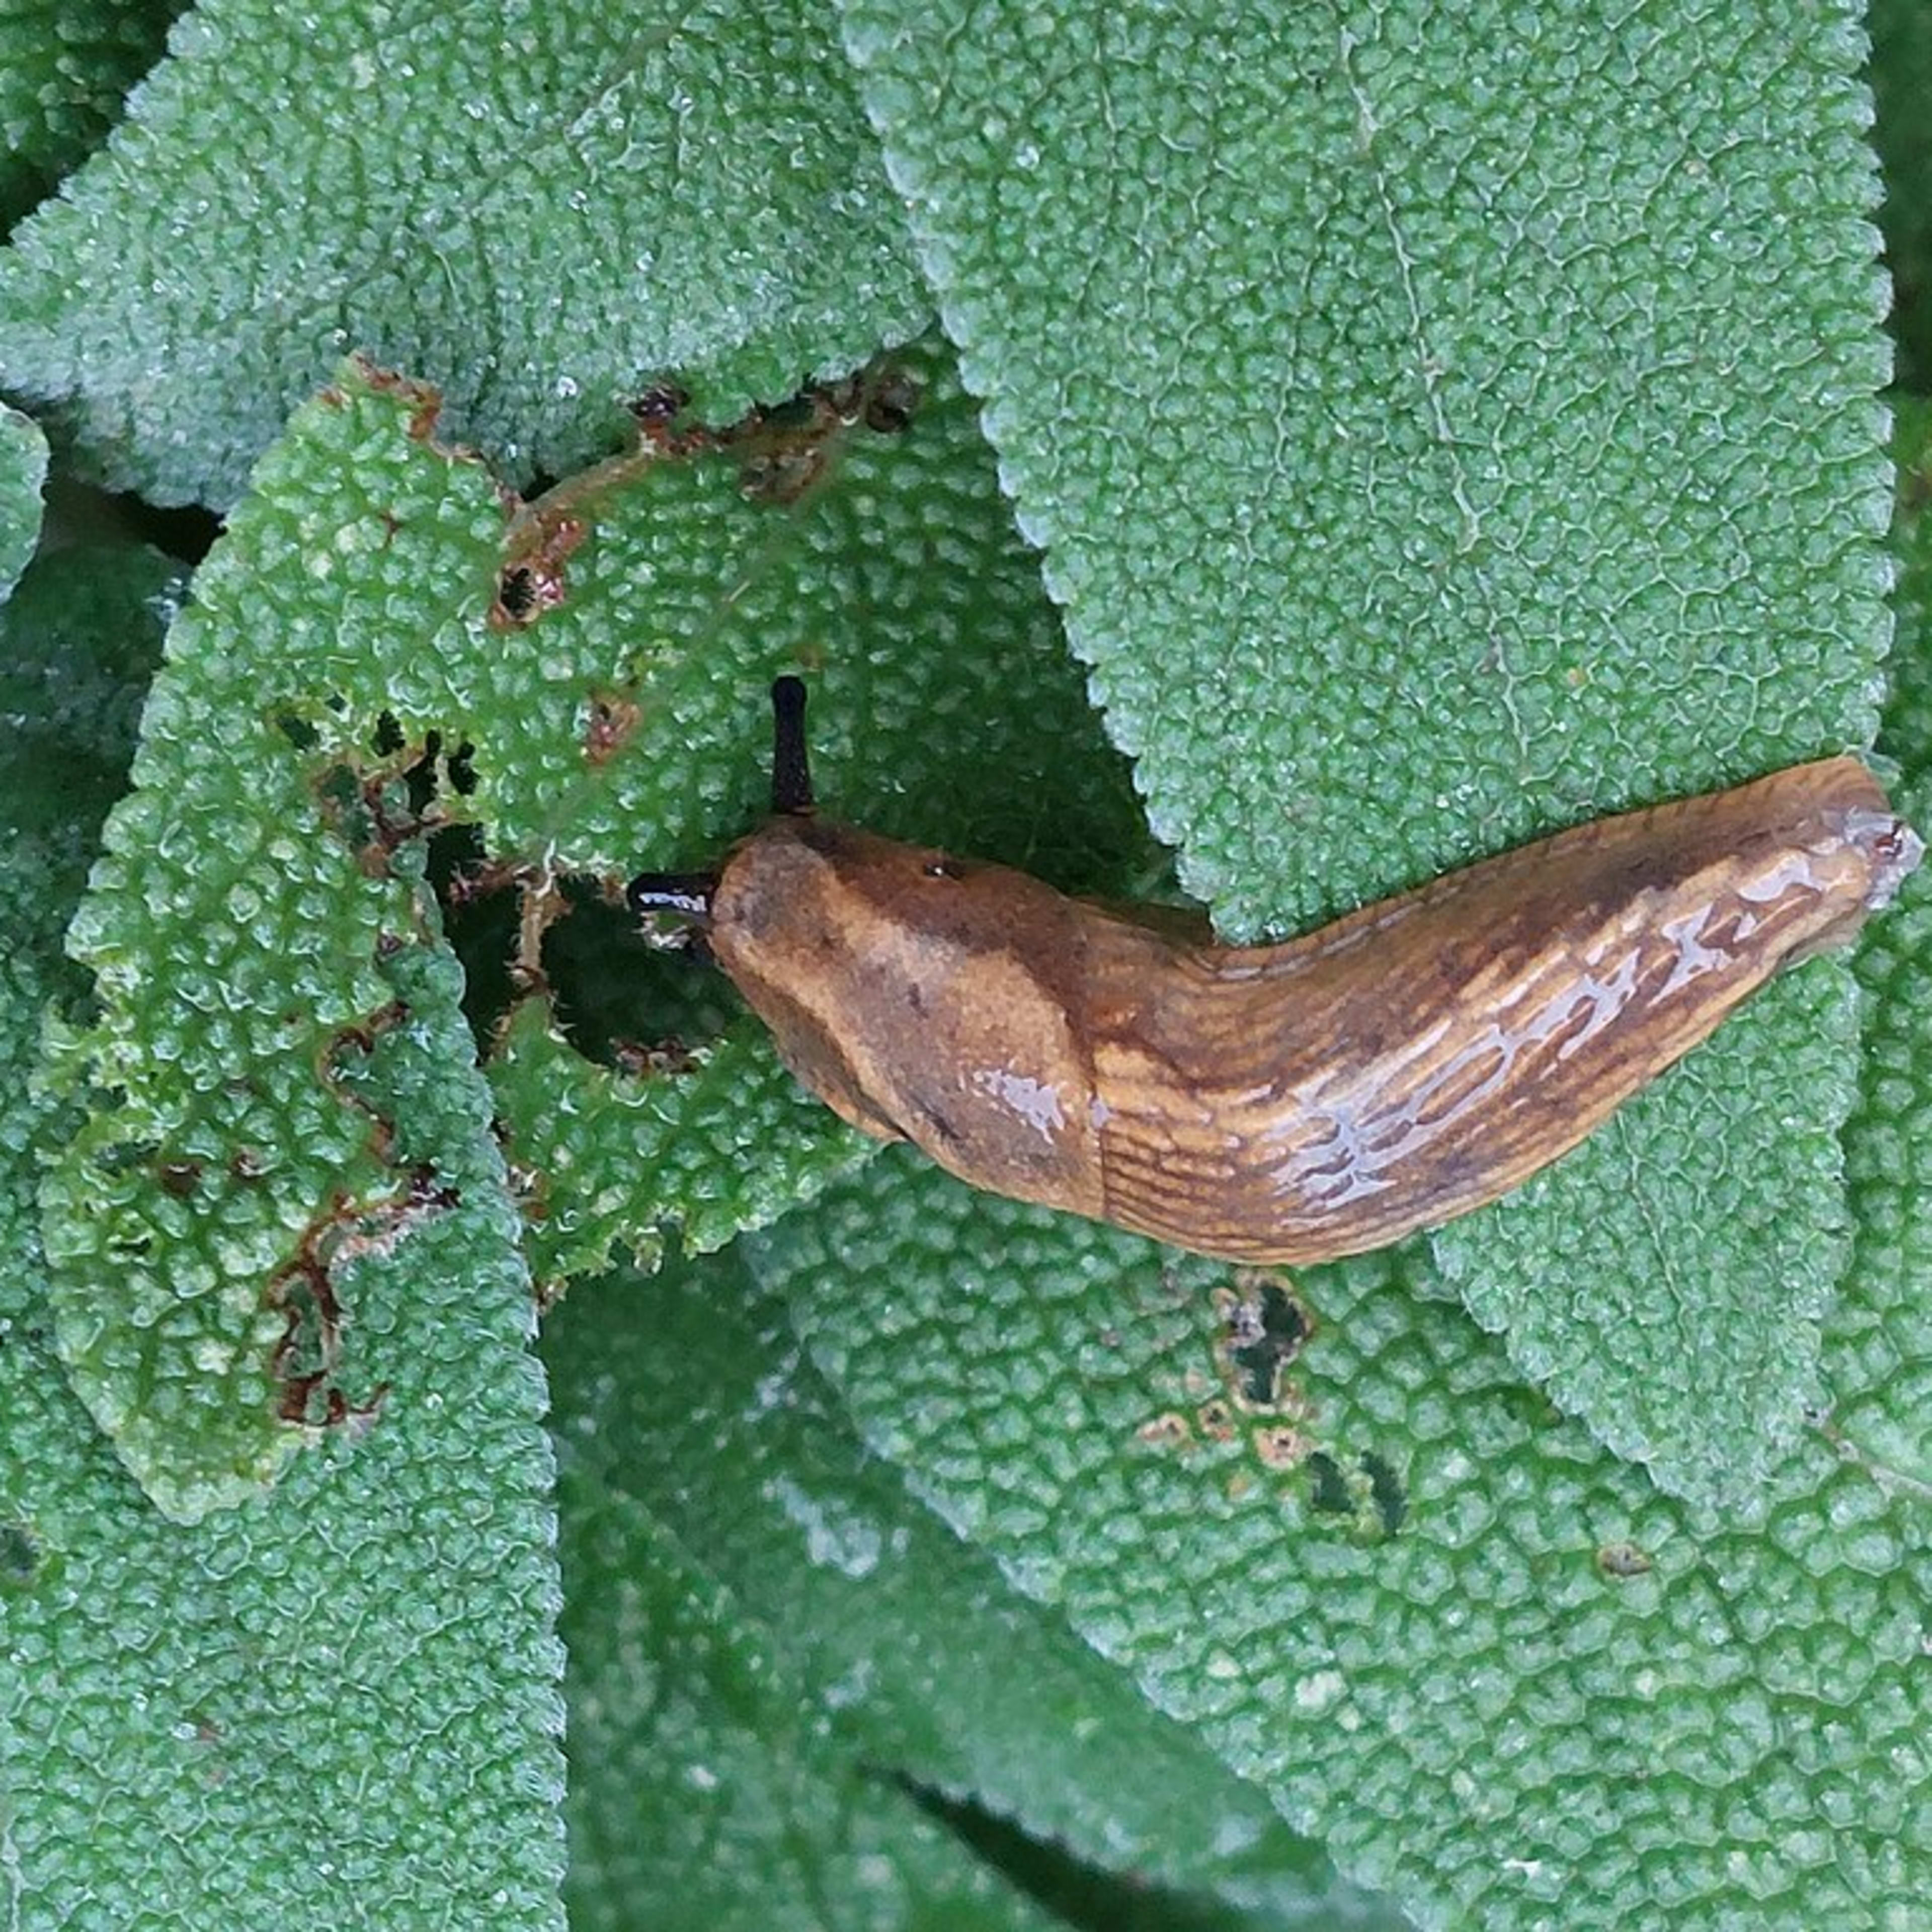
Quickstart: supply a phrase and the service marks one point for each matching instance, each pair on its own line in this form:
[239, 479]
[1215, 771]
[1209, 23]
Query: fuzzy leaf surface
[1503, 1677]
[543, 210]
[684, 1408]
[23, 468]
[64, 66]
[163, 1690]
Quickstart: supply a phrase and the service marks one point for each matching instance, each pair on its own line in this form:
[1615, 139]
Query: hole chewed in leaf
[1368, 1494]
[377, 810]
[1264, 1327]
[787, 447]
[516, 592]
[460, 769]
[623, 1003]
[534, 576]
[788, 450]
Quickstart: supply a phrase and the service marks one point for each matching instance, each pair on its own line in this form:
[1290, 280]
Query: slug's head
[690, 895]
[921, 997]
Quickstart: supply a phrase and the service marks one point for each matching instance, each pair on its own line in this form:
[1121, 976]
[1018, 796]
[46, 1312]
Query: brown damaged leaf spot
[1215, 1421]
[656, 1059]
[1283, 1447]
[376, 809]
[789, 450]
[361, 1039]
[783, 450]
[612, 722]
[181, 1178]
[372, 814]
[535, 577]
[1623, 1560]
[1170, 1431]
[656, 413]
[424, 400]
[306, 1356]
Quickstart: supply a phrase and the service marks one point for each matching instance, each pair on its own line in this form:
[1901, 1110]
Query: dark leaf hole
[1385, 1488]
[460, 769]
[620, 1001]
[1329, 1494]
[1263, 1336]
[422, 777]
[893, 402]
[185, 532]
[1372, 1492]
[517, 592]
[480, 925]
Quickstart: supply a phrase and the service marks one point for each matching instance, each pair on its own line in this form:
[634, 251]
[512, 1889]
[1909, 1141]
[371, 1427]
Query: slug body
[1295, 1102]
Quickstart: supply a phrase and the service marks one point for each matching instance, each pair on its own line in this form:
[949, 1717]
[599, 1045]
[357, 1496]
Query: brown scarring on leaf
[1215, 1421]
[1168, 1431]
[612, 723]
[1623, 1560]
[308, 1356]
[361, 805]
[654, 1059]
[1283, 1448]
[539, 544]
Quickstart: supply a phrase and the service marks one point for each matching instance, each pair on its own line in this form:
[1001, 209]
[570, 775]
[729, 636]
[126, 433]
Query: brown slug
[1281, 1103]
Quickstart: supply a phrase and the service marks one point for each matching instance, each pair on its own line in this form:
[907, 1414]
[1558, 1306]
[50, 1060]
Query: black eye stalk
[791, 769]
[689, 894]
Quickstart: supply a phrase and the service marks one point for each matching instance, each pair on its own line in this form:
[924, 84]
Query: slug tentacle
[1291, 1102]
